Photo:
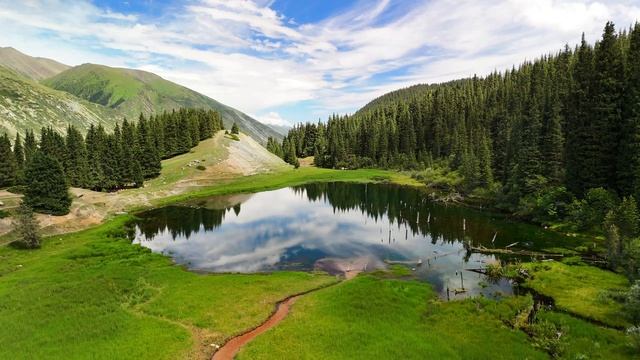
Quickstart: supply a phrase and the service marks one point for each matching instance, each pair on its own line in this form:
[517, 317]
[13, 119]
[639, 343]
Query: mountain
[130, 92]
[34, 68]
[26, 104]
[280, 129]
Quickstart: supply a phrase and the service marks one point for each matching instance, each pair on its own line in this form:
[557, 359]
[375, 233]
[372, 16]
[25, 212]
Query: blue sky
[285, 61]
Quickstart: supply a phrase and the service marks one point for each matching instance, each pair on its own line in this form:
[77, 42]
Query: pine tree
[47, 190]
[234, 129]
[578, 120]
[95, 145]
[149, 156]
[25, 226]
[18, 155]
[607, 102]
[30, 146]
[7, 162]
[75, 163]
[629, 150]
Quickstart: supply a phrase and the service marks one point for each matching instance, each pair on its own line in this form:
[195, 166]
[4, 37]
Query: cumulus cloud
[249, 56]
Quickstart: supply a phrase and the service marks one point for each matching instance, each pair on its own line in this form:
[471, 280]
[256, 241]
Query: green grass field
[94, 295]
[582, 290]
[377, 318]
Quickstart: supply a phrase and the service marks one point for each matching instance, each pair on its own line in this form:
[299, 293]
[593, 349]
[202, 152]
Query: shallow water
[335, 227]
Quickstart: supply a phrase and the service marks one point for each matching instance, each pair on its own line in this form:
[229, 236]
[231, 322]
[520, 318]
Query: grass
[94, 295]
[583, 340]
[581, 290]
[372, 317]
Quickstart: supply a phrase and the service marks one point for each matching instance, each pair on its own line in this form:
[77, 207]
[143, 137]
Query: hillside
[130, 92]
[26, 104]
[34, 68]
[224, 159]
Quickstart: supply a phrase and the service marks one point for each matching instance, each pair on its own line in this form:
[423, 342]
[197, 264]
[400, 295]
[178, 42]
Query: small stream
[338, 228]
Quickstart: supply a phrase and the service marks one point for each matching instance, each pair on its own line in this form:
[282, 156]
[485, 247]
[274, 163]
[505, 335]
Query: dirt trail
[231, 348]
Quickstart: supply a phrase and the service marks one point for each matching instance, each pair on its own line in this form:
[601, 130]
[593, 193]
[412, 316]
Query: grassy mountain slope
[131, 92]
[34, 68]
[26, 104]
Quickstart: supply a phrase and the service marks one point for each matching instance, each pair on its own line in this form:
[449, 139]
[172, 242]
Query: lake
[337, 227]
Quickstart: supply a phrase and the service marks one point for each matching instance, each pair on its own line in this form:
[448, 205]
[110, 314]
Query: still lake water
[336, 225]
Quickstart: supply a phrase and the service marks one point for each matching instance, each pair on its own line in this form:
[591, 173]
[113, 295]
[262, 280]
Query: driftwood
[483, 250]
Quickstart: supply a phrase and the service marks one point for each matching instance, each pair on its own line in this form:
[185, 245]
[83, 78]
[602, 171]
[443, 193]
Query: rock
[1, 203]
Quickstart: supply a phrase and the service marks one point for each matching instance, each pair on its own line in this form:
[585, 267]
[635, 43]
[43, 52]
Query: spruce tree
[18, 155]
[47, 190]
[30, 146]
[234, 129]
[75, 163]
[607, 102]
[25, 226]
[629, 150]
[579, 137]
[7, 162]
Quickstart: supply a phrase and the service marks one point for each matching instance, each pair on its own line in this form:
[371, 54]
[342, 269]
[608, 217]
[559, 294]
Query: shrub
[632, 304]
[548, 336]
[633, 333]
[201, 167]
[26, 227]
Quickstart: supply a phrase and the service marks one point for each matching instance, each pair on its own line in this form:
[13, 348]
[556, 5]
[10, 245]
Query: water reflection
[300, 228]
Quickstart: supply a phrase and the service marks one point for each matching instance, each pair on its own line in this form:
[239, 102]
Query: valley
[481, 214]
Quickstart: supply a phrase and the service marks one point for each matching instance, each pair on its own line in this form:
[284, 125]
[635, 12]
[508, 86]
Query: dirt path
[229, 350]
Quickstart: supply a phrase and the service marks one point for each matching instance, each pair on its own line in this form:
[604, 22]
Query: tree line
[101, 161]
[538, 137]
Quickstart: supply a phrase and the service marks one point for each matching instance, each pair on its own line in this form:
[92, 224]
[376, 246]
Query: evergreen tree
[629, 150]
[30, 146]
[606, 118]
[75, 163]
[25, 226]
[234, 129]
[47, 190]
[7, 162]
[18, 155]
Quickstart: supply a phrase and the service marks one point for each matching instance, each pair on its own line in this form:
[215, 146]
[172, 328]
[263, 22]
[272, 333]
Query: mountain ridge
[34, 68]
[82, 94]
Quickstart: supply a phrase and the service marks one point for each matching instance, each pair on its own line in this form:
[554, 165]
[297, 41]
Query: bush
[633, 333]
[632, 304]
[17, 189]
[440, 177]
[590, 212]
[546, 203]
[26, 227]
[201, 167]
[548, 336]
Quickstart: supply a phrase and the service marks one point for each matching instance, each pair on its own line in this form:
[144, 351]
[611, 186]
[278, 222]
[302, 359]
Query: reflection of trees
[389, 206]
[403, 207]
[181, 221]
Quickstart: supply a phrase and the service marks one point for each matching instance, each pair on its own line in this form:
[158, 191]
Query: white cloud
[245, 54]
[273, 118]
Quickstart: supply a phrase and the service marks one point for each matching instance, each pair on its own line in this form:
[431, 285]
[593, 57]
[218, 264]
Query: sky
[290, 61]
